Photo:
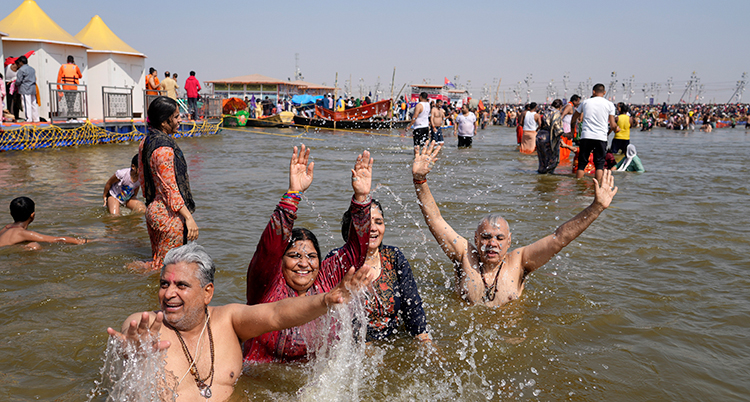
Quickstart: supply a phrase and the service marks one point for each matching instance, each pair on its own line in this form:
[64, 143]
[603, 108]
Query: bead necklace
[205, 389]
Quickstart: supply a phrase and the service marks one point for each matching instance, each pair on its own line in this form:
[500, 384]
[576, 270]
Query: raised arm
[541, 251]
[354, 252]
[252, 321]
[453, 245]
[265, 263]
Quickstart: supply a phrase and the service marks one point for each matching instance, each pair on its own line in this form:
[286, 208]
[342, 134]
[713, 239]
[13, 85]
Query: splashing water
[342, 362]
[141, 376]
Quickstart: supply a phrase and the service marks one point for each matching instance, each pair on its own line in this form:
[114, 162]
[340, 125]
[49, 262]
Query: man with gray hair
[210, 338]
[486, 273]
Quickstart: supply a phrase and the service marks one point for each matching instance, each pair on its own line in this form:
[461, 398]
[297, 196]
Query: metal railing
[148, 96]
[67, 101]
[211, 107]
[117, 103]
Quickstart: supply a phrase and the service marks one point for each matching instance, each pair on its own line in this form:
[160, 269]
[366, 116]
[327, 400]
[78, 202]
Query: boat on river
[372, 116]
[283, 119]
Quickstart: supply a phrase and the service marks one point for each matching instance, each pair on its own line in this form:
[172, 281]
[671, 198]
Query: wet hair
[192, 73]
[304, 234]
[71, 59]
[346, 220]
[22, 60]
[624, 109]
[193, 253]
[599, 88]
[424, 95]
[492, 219]
[575, 98]
[21, 208]
[151, 70]
[134, 161]
[557, 103]
[532, 105]
[166, 74]
[160, 110]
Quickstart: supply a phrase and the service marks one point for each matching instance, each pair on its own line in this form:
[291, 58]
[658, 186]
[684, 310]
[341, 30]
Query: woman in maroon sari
[287, 261]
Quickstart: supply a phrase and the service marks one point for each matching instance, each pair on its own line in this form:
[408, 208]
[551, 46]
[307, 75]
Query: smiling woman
[287, 262]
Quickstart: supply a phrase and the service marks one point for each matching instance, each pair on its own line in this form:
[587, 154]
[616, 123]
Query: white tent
[112, 62]
[29, 28]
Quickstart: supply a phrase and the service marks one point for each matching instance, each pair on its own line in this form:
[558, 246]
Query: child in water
[122, 188]
[22, 211]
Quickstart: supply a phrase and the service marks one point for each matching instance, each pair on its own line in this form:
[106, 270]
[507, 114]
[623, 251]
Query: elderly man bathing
[185, 290]
[486, 273]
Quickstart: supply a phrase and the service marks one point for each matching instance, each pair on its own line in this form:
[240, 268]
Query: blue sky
[480, 41]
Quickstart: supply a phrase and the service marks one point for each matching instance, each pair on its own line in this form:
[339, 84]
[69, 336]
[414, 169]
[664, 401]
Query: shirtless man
[185, 289]
[567, 115]
[22, 211]
[437, 116]
[486, 273]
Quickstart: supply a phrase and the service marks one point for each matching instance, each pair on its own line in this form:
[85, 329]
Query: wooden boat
[372, 124]
[364, 117]
[283, 119]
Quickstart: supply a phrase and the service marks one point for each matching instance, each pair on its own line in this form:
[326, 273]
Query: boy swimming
[22, 211]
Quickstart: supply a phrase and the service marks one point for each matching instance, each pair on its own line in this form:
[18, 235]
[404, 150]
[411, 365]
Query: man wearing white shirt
[466, 127]
[597, 121]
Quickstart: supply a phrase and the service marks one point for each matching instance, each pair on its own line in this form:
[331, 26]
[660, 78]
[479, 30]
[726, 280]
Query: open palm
[300, 172]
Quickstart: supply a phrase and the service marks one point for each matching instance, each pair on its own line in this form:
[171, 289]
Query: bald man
[486, 273]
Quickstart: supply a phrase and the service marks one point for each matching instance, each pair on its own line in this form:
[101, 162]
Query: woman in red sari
[287, 261]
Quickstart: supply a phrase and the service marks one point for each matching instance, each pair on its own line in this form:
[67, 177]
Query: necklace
[205, 389]
[491, 291]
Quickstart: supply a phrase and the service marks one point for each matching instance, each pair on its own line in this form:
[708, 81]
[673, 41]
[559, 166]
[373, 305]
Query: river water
[650, 303]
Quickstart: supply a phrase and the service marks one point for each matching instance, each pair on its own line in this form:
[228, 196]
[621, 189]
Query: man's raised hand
[606, 190]
[423, 158]
[137, 330]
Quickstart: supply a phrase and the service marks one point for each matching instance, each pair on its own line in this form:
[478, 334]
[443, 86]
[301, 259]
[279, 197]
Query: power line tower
[658, 89]
[566, 81]
[528, 82]
[297, 72]
[517, 92]
[613, 87]
[550, 91]
[670, 83]
[689, 86]
[645, 93]
[739, 90]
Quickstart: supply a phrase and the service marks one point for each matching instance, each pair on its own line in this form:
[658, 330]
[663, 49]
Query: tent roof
[249, 79]
[3, 34]
[29, 23]
[101, 39]
[309, 85]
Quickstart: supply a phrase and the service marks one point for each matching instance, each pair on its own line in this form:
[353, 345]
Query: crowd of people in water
[290, 281]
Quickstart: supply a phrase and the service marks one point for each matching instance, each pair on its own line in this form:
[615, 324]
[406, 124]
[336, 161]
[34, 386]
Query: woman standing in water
[531, 122]
[287, 261]
[395, 297]
[166, 187]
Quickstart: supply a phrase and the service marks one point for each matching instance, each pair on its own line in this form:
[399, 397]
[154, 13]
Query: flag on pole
[449, 84]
